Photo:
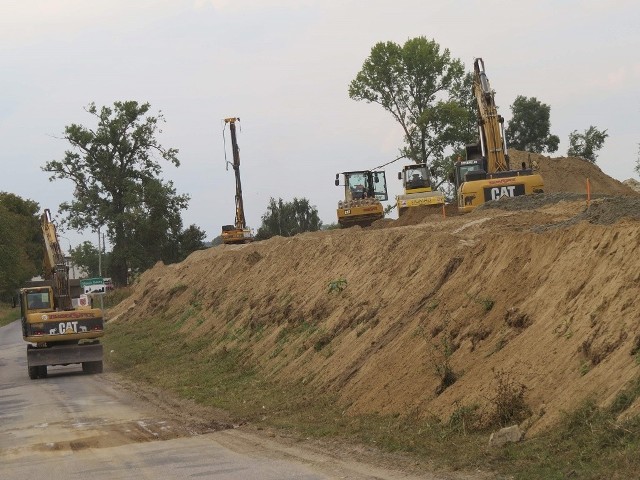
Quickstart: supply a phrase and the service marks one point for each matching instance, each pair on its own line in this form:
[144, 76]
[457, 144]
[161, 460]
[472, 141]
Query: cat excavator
[238, 232]
[57, 333]
[485, 174]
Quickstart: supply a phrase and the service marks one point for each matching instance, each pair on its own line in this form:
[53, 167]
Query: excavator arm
[490, 124]
[55, 266]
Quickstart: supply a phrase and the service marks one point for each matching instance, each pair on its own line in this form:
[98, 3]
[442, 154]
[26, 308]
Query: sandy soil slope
[540, 288]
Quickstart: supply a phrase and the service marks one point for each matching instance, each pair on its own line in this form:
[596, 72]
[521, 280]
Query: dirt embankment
[545, 292]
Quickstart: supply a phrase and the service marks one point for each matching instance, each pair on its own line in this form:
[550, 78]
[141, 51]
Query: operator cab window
[37, 300]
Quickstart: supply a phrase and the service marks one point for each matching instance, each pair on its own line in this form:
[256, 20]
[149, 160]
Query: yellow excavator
[57, 333]
[485, 174]
[363, 192]
[239, 232]
[418, 191]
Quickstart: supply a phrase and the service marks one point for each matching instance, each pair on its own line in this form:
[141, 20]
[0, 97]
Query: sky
[283, 67]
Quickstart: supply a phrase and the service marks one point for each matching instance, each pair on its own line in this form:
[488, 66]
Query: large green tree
[530, 126]
[21, 244]
[586, 144]
[116, 172]
[426, 91]
[288, 218]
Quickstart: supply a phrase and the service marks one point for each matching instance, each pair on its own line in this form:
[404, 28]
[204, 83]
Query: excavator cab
[363, 192]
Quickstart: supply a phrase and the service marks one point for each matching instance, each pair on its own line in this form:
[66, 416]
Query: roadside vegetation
[590, 443]
[8, 314]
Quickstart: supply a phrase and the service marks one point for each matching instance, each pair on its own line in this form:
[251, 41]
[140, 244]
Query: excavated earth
[542, 289]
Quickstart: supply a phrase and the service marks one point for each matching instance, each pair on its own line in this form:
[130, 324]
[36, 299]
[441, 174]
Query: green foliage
[529, 128]
[21, 248]
[8, 314]
[337, 285]
[426, 91]
[118, 185]
[85, 256]
[585, 145]
[288, 218]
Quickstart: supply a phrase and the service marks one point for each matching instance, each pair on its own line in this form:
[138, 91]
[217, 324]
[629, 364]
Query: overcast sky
[283, 67]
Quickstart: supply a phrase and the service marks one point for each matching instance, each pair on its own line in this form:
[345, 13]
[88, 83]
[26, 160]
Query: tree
[116, 174]
[586, 144]
[288, 218]
[426, 92]
[21, 244]
[191, 239]
[86, 256]
[637, 168]
[529, 128]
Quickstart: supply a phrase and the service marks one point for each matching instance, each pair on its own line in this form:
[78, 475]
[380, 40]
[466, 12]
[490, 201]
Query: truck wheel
[97, 367]
[86, 367]
[42, 371]
[33, 373]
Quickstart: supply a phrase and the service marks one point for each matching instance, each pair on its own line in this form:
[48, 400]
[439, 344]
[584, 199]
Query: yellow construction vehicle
[485, 174]
[417, 189]
[57, 333]
[363, 192]
[238, 232]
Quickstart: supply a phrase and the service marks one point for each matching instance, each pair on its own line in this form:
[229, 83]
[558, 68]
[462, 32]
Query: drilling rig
[239, 232]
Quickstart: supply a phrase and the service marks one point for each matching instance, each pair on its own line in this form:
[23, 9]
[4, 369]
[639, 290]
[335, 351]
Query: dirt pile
[569, 174]
[544, 292]
[633, 184]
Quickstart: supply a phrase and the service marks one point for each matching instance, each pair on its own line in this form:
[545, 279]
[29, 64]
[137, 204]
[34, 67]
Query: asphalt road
[76, 426]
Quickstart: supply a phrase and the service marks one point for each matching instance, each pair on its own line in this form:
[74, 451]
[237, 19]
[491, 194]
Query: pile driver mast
[239, 232]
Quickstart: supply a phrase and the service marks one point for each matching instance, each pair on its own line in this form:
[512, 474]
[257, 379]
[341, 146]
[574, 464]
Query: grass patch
[114, 297]
[8, 314]
[590, 443]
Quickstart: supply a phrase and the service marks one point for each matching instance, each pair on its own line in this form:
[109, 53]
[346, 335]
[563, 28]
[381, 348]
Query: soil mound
[545, 293]
[569, 174]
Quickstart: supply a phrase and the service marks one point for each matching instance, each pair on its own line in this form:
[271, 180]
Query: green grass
[8, 314]
[590, 443]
